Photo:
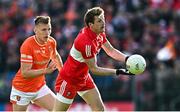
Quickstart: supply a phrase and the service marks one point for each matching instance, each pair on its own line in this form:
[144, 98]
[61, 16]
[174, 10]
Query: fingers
[123, 72]
[51, 67]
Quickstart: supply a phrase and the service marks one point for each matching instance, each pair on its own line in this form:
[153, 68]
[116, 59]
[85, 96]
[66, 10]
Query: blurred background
[147, 27]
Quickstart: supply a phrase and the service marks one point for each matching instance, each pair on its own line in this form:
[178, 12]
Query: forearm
[103, 71]
[106, 71]
[32, 73]
[59, 61]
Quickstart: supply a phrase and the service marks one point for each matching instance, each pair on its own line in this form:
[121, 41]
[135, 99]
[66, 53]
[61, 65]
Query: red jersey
[86, 45]
[38, 55]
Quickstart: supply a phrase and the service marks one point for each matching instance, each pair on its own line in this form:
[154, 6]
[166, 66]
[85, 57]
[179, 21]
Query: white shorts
[24, 98]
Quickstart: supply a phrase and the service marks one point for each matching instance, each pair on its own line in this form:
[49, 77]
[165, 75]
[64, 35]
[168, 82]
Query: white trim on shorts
[81, 93]
[63, 99]
[27, 97]
[61, 91]
[69, 101]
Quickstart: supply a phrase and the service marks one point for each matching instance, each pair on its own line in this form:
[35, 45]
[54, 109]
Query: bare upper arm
[112, 52]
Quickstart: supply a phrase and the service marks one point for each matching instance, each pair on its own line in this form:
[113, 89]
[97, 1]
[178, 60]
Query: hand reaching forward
[51, 67]
[123, 72]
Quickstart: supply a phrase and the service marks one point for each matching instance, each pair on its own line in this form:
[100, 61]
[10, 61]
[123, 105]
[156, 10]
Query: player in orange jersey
[38, 57]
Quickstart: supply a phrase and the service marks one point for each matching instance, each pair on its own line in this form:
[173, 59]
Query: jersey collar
[34, 36]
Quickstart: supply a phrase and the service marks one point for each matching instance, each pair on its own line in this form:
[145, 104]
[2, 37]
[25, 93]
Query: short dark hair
[42, 19]
[91, 13]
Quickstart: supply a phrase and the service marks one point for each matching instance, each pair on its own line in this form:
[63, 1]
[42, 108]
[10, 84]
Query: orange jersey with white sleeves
[38, 55]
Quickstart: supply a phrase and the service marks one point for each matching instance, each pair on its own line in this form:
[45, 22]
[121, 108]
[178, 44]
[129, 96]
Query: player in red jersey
[29, 82]
[74, 77]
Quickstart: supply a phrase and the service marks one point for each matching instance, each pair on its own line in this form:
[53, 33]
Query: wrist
[44, 71]
[117, 72]
[126, 58]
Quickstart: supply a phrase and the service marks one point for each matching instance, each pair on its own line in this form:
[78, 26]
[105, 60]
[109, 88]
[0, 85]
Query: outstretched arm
[95, 69]
[98, 70]
[117, 55]
[114, 53]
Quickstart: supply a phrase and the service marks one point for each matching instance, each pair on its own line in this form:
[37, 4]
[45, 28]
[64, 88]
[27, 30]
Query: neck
[94, 31]
[39, 40]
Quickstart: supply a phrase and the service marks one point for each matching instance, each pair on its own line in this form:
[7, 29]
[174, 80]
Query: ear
[35, 30]
[90, 24]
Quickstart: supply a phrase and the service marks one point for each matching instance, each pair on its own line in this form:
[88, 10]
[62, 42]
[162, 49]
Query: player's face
[99, 24]
[42, 32]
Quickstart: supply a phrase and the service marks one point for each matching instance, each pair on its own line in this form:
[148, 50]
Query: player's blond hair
[91, 13]
[42, 19]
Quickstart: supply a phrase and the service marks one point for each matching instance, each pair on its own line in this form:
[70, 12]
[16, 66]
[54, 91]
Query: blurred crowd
[150, 28]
